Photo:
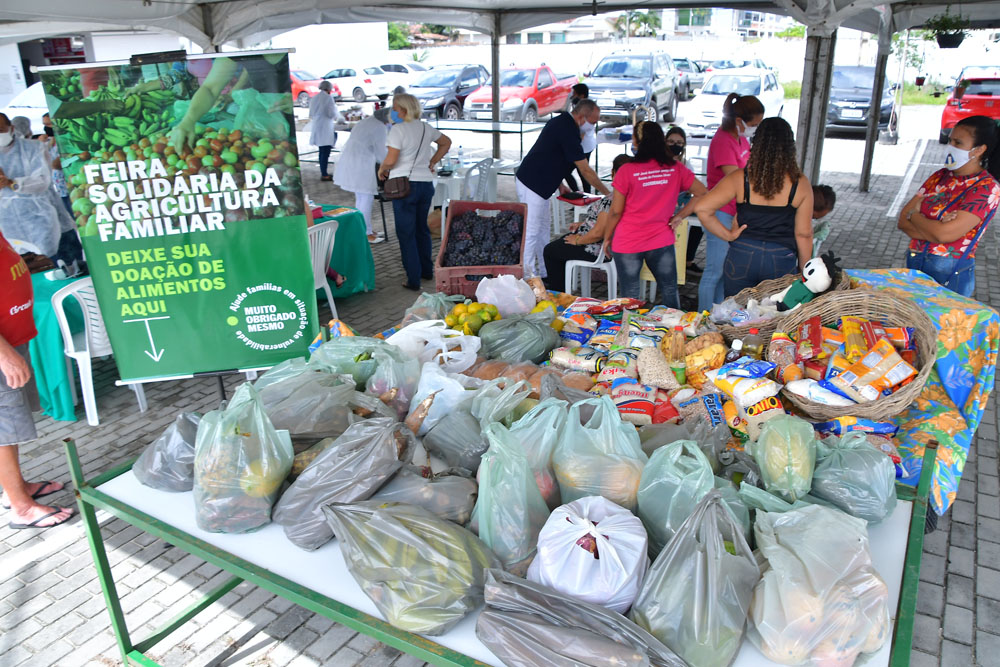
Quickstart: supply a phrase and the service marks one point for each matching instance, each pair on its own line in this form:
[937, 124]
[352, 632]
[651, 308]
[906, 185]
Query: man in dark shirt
[543, 168]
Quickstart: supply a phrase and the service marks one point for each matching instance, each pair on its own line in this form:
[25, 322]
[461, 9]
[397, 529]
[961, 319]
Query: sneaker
[375, 238]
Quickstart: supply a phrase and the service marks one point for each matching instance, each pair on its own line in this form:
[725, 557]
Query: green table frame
[89, 498]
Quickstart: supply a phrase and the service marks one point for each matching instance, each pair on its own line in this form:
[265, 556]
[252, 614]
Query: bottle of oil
[735, 352]
[753, 345]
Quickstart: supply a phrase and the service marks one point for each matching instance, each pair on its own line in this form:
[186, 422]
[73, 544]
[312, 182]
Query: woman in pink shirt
[642, 217]
[729, 151]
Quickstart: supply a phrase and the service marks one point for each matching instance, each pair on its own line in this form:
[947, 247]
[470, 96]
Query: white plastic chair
[321, 238]
[475, 185]
[584, 268]
[87, 344]
[647, 279]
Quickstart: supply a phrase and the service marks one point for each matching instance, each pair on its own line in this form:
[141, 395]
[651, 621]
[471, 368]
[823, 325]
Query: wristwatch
[15, 186]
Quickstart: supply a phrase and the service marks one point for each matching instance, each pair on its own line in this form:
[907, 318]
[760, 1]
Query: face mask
[748, 132]
[675, 149]
[586, 127]
[395, 117]
[955, 158]
[50, 131]
[6, 138]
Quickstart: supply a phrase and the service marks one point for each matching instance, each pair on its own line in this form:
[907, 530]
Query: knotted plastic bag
[520, 338]
[433, 341]
[450, 392]
[538, 431]
[429, 307]
[786, 454]
[856, 477]
[673, 482]
[394, 381]
[167, 463]
[349, 355]
[450, 494]
[511, 296]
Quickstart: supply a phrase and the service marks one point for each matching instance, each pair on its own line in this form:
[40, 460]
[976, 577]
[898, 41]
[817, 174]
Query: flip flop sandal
[38, 494]
[34, 524]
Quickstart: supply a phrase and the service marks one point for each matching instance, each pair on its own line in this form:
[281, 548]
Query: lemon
[462, 318]
[557, 324]
[472, 325]
[451, 320]
[485, 316]
[459, 309]
[493, 311]
[475, 307]
[256, 484]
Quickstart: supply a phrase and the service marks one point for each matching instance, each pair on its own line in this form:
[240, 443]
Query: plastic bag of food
[240, 462]
[696, 595]
[358, 463]
[167, 463]
[510, 295]
[711, 439]
[538, 432]
[429, 307]
[450, 494]
[432, 340]
[394, 381]
[759, 499]
[736, 506]
[594, 550]
[819, 600]
[856, 477]
[351, 355]
[450, 391]
[307, 456]
[526, 625]
[738, 466]
[510, 510]
[786, 454]
[519, 338]
[599, 458]
[673, 482]
[423, 573]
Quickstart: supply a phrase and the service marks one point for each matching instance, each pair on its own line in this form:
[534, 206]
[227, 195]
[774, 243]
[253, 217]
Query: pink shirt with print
[650, 190]
[725, 149]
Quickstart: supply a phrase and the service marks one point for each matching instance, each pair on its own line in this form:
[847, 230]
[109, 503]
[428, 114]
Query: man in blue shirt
[557, 149]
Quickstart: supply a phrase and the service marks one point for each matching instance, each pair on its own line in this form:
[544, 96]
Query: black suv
[442, 91]
[626, 79]
[850, 98]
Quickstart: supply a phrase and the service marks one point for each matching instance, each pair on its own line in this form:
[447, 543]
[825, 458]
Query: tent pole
[875, 108]
[495, 65]
[209, 27]
[814, 100]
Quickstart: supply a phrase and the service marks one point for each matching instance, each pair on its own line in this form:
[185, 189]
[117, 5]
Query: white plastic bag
[451, 390]
[594, 550]
[510, 295]
[432, 340]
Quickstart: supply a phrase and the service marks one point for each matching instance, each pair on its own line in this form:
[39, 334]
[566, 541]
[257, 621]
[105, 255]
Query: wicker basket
[765, 289]
[889, 310]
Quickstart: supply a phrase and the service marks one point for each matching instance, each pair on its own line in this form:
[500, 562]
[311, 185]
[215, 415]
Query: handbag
[399, 187]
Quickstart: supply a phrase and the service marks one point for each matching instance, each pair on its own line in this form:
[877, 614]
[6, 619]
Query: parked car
[851, 98]
[979, 97]
[403, 74]
[360, 82]
[737, 63]
[704, 115]
[30, 103]
[305, 85]
[626, 79]
[442, 91]
[525, 94]
[694, 72]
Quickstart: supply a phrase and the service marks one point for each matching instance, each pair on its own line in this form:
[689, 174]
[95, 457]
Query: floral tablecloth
[952, 403]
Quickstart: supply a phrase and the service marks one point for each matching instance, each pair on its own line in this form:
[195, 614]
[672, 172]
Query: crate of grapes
[480, 240]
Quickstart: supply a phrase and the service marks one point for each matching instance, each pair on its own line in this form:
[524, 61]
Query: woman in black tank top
[772, 234]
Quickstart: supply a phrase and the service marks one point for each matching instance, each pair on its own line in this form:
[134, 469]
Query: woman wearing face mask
[952, 209]
[677, 146]
[355, 171]
[729, 151]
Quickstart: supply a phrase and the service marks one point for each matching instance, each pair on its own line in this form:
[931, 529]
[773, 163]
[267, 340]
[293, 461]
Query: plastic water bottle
[460, 160]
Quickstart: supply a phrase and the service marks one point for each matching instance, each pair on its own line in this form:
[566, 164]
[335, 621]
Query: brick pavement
[52, 612]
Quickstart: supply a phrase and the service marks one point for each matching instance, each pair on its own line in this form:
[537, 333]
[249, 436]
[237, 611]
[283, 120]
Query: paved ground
[52, 613]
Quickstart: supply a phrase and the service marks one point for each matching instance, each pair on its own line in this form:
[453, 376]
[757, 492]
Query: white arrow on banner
[152, 352]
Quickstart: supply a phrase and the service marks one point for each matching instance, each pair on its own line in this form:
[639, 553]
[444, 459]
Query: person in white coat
[355, 170]
[323, 115]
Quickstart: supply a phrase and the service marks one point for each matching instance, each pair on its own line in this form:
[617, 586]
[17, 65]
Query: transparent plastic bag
[451, 392]
[855, 477]
[594, 550]
[432, 340]
[423, 573]
[348, 355]
[450, 494]
[738, 467]
[676, 478]
[429, 307]
[254, 115]
[394, 381]
[711, 439]
[520, 338]
[167, 463]
[819, 600]
[552, 386]
[352, 468]
[538, 431]
[239, 464]
[599, 458]
[762, 501]
[527, 625]
[736, 506]
[511, 296]
[786, 454]
[696, 595]
[510, 510]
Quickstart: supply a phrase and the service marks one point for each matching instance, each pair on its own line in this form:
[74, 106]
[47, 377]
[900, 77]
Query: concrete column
[815, 98]
[495, 67]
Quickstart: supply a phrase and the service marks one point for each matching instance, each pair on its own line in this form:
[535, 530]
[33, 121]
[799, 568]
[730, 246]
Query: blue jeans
[324, 159]
[751, 261]
[710, 289]
[958, 275]
[412, 231]
[663, 265]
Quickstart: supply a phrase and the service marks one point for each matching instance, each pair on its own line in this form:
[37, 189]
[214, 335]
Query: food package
[831, 341]
[856, 477]
[510, 510]
[604, 336]
[599, 458]
[344, 356]
[699, 363]
[594, 550]
[449, 391]
[423, 573]
[527, 625]
[358, 463]
[615, 306]
[836, 365]
[663, 410]
[711, 439]
[781, 353]
[620, 363]
[819, 601]
[754, 416]
[511, 296]
[635, 401]
[815, 391]
[878, 371]
[696, 595]
[538, 432]
[167, 463]
[855, 345]
[429, 307]
[240, 462]
[844, 425]
[744, 391]
[901, 338]
[576, 329]
[735, 420]
[584, 359]
[703, 407]
[450, 494]
[519, 338]
[394, 381]
[675, 479]
[703, 341]
[809, 341]
[786, 454]
[654, 369]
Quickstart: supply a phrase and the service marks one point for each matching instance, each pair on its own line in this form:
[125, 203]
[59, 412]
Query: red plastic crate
[465, 279]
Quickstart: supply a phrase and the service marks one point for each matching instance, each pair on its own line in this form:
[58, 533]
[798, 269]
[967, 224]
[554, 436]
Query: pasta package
[832, 339]
[878, 371]
[900, 337]
[810, 340]
[604, 336]
[585, 359]
[854, 337]
[873, 331]
[702, 361]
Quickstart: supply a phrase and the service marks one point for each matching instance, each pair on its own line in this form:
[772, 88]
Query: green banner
[185, 185]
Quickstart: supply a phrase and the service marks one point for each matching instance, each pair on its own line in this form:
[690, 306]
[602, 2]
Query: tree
[398, 39]
[640, 23]
[436, 29]
[909, 50]
[797, 30]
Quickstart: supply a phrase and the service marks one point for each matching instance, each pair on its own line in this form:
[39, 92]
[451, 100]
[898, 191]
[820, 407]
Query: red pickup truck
[525, 94]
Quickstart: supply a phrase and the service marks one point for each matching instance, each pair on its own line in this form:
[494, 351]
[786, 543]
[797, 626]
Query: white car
[31, 103]
[360, 83]
[704, 114]
[402, 74]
